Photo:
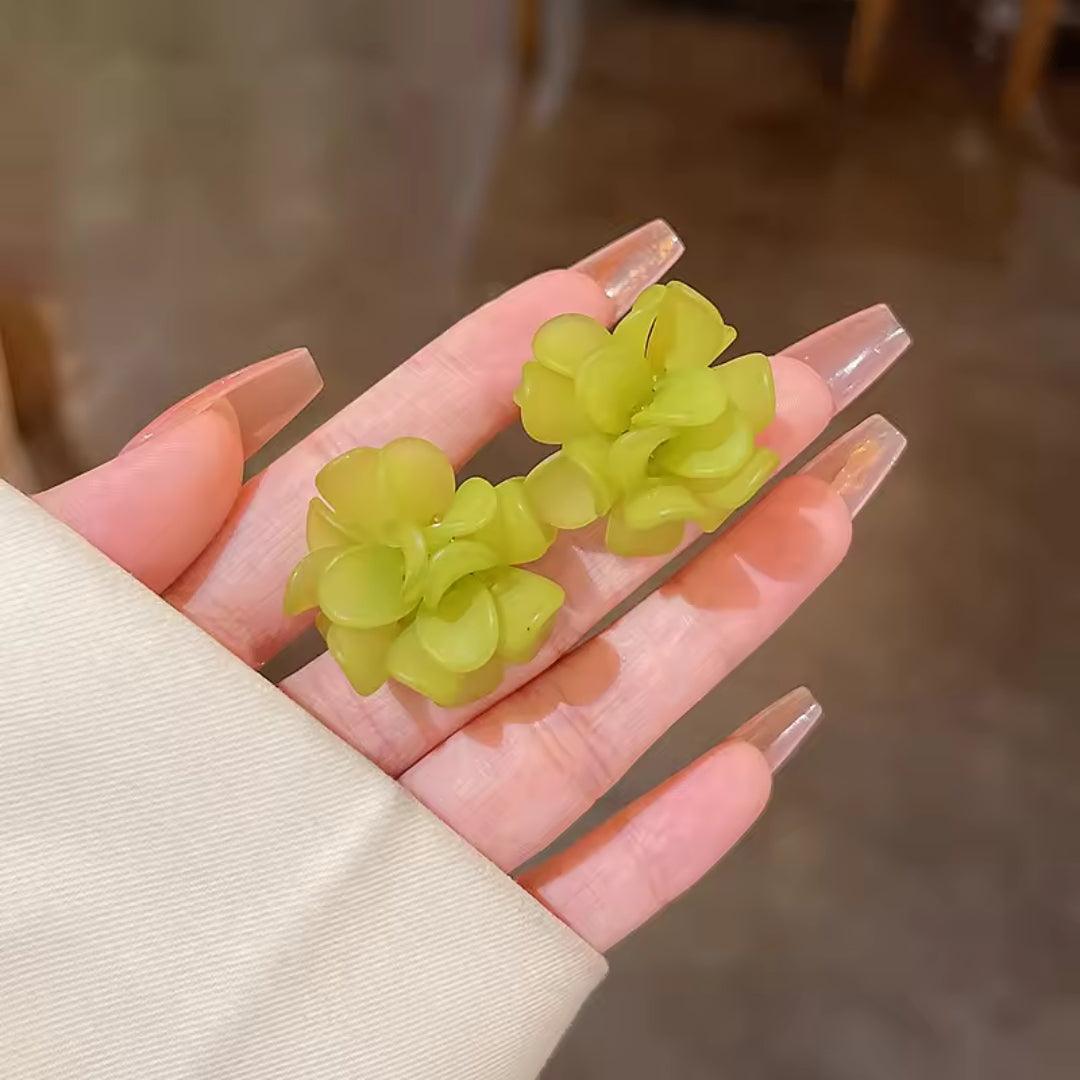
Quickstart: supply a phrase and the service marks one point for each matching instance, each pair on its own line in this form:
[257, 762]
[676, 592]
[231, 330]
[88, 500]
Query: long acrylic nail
[854, 352]
[855, 465]
[779, 730]
[629, 265]
[264, 396]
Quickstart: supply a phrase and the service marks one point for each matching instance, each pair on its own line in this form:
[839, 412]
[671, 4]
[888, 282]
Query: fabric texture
[200, 881]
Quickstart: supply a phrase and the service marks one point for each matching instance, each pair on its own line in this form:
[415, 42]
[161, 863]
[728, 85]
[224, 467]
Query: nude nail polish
[780, 728]
[264, 397]
[627, 266]
[855, 352]
[855, 464]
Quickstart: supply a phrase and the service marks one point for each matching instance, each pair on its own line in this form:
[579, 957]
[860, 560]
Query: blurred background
[185, 189]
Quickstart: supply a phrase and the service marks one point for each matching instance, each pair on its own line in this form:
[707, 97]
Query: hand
[514, 771]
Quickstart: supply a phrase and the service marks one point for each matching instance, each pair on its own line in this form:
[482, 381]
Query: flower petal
[564, 342]
[516, 533]
[689, 398]
[621, 539]
[611, 384]
[413, 666]
[562, 493]
[475, 505]
[689, 331]
[749, 382]
[451, 563]
[326, 529]
[633, 331]
[353, 486]
[410, 541]
[628, 461]
[463, 631]
[732, 493]
[418, 479]
[550, 412]
[364, 587]
[361, 654]
[712, 452]
[591, 453]
[660, 504]
[527, 604]
[302, 589]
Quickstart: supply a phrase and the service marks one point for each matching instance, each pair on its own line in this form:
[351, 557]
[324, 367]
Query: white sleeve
[200, 881]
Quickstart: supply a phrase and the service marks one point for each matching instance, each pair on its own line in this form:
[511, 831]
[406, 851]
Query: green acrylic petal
[683, 399]
[712, 452]
[562, 493]
[591, 454]
[628, 462]
[361, 654]
[410, 541]
[353, 485]
[659, 505]
[745, 484]
[749, 382]
[564, 342]
[302, 589]
[711, 520]
[411, 664]
[527, 605]
[364, 587]
[462, 632]
[453, 562]
[632, 333]
[475, 505]
[621, 539]
[516, 533]
[650, 299]
[325, 529]
[550, 411]
[613, 383]
[418, 479]
[656, 426]
[689, 331]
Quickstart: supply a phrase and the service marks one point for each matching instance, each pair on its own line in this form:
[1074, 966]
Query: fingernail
[855, 465]
[264, 396]
[629, 265]
[854, 352]
[779, 730]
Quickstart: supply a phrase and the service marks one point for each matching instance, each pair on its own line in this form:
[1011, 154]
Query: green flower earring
[651, 435]
[417, 580]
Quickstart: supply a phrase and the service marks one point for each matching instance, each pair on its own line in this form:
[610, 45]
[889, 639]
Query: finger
[395, 728]
[154, 507]
[513, 779]
[609, 883]
[456, 392]
[605, 885]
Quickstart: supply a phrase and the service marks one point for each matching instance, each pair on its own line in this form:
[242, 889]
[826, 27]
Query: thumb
[154, 507]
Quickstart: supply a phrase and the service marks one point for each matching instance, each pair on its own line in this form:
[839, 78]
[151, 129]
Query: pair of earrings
[419, 580]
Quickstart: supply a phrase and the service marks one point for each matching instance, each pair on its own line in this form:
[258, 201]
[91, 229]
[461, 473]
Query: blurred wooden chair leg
[871, 22]
[15, 465]
[528, 32]
[1030, 49]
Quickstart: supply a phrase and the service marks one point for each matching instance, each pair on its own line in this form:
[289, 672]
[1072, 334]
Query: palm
[512, 772]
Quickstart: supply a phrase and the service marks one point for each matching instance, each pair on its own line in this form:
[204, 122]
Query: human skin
[512, 772]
